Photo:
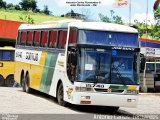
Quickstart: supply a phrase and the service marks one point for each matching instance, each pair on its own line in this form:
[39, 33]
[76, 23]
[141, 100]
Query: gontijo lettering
[32, 56]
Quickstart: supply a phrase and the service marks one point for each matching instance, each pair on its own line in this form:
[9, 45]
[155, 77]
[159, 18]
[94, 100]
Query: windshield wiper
[119, 75]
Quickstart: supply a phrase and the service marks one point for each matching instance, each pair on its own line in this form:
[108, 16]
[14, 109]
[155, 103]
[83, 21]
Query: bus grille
[108, 90]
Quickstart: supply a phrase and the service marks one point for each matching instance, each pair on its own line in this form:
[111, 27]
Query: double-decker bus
[7, 66]
[76, 62]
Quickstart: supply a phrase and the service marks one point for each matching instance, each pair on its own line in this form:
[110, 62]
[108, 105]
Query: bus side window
[62, 39]
[18, 38]
[72, 36]
[29, 39]
[36, 39]
[53, 39]
[23, 38]
[44, 39]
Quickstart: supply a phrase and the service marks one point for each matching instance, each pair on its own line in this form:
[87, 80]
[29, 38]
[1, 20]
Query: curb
[154, 94]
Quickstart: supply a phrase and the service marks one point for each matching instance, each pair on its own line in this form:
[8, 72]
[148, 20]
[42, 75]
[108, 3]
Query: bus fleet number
[94, 85]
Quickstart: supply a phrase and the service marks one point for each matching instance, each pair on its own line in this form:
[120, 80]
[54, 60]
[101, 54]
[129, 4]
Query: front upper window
[108, 38]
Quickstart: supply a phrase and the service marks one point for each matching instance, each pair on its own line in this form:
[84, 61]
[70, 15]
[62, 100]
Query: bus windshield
[106, 66]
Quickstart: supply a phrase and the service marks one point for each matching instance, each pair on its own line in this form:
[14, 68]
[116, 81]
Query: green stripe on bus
[118, 87]
[48, 72]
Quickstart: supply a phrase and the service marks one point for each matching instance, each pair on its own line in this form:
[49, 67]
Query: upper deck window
[62, 39]
[53, 39]
[19, 38]
[37, 38]
[23, 38]
[44, 39]
[30, 38]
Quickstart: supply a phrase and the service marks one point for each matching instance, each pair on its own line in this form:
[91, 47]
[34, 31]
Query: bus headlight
[82, 89]
[133, 92]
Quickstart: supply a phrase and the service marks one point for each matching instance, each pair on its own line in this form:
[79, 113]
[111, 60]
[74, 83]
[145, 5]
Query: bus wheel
[1, 81]
[9, 81]
[23, 84]
[28, 89]
[60, 95]
[112, 109]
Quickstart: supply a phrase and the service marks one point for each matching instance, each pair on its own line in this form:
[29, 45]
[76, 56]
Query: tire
[9, 81]
[1, 81]
[27, 84]
[113, 109]
[60, 95]
[23, 84]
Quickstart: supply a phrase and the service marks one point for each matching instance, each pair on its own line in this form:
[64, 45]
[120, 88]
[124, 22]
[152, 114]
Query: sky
[138, 8]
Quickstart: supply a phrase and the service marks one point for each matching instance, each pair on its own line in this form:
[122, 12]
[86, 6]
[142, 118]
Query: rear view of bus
[7, 66]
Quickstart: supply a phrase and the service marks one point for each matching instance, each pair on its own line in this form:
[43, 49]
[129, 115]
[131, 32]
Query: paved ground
[14, 101]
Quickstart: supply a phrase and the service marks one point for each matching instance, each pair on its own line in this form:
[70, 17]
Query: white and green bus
[76, 62]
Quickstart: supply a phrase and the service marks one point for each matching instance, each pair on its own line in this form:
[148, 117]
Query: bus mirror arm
[143, 61]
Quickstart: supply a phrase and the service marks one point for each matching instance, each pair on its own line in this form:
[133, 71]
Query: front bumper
[103, 99]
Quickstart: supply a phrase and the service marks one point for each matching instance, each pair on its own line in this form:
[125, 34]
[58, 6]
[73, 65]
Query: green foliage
[10, 6]
[157, 14]
[28, 5]
[141, 26]
[157, 25]
[46, 10]
[26, 18]
[17, 7]
[2, 4]
[153, 31]
[37, 17]
[112, 19]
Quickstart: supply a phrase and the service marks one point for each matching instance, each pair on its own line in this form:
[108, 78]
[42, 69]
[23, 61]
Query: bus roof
[7, 48]
[102, 26]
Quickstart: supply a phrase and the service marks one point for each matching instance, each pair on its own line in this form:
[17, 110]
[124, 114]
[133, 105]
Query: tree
[141, 26]
[2, 4]
[28, 5]
[10, 6]
[112, 19]
[17, 7]
[46, 10]
[157, 25]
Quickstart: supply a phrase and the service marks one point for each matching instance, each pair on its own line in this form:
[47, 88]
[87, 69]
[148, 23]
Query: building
[75, 15]
[8, 32]
[150, 48]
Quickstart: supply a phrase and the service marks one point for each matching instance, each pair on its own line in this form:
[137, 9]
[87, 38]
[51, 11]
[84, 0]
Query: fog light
[131, 100]
[132, 92]
[85, 97]
[82, 89]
